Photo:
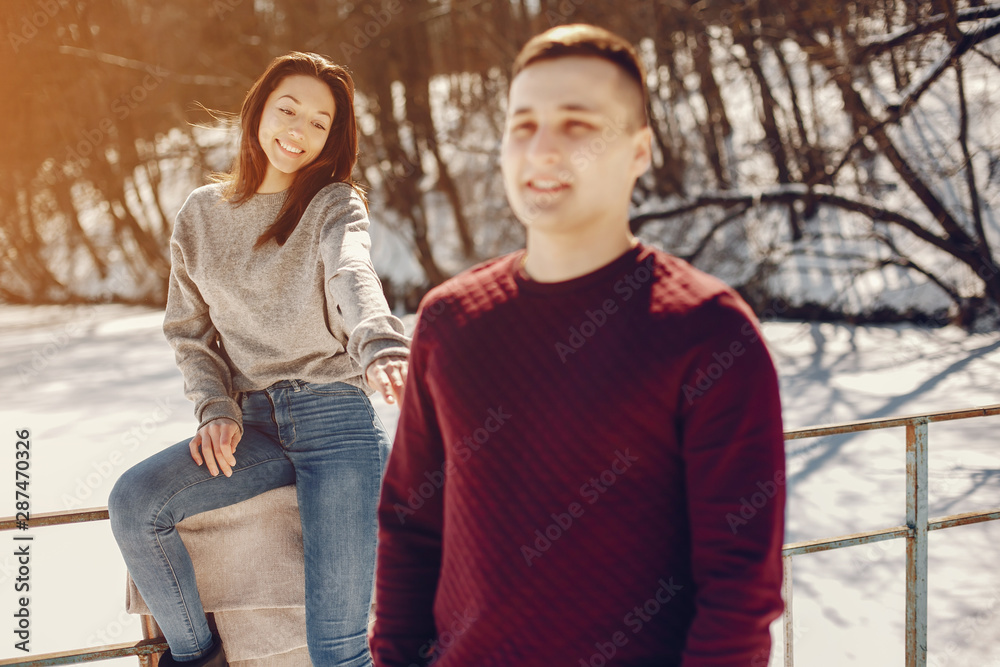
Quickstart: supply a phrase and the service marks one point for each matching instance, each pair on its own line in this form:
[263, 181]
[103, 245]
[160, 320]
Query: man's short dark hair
[581, 39]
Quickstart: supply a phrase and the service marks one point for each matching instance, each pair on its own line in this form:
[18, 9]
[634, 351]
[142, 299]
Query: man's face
[573, 145]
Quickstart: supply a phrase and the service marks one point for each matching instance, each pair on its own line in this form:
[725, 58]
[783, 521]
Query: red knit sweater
[585, 473]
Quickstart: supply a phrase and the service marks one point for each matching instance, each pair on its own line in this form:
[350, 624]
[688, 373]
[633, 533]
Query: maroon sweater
[588, 472]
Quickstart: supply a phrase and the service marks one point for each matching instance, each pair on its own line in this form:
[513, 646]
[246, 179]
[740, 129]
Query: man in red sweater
[589, 467]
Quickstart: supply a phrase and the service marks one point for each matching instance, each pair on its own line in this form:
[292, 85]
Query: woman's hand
[215, 443]
[388, 376]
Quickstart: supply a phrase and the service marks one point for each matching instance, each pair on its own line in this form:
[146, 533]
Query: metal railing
[144, 650]
[915, 532]
[918, 523]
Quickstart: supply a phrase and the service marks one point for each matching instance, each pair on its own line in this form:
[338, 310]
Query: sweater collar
[599, 275]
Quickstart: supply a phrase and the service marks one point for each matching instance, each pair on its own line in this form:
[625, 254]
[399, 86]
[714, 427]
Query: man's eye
[579, 126]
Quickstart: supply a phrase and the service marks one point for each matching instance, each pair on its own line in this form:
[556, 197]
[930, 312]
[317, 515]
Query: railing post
[786, 592]
[149, 630]
[916, 542]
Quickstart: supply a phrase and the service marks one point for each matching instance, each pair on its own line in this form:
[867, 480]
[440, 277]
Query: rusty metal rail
[58, 518]
[915, 532]
[142, 649]
[145, 650]
[918, 523]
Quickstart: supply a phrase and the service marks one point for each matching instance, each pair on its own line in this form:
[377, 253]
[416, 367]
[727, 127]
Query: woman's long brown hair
[334, 164]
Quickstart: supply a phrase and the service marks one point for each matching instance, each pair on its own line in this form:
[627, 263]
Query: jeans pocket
[330, 388]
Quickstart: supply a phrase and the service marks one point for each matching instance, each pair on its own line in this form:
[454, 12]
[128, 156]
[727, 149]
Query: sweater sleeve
[410, 529]
[188, 328]
[352, 285]
[733, 449]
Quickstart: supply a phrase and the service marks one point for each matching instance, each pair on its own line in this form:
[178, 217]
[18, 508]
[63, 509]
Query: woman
[275, 315]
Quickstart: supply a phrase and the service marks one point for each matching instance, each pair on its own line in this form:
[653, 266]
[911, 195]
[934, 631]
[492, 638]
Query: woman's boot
[215, 658]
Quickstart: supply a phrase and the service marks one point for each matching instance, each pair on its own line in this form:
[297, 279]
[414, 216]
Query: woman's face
[294, 126]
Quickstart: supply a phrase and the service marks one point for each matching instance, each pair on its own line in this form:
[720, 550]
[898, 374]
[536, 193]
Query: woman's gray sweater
[241, 319]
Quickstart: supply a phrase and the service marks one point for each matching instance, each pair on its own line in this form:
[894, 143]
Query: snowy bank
[97, 387]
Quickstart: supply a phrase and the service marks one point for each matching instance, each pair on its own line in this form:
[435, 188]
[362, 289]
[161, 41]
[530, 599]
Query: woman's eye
[285, 110]
[319, 126]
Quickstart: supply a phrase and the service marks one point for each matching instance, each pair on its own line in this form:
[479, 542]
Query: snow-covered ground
[98, 390]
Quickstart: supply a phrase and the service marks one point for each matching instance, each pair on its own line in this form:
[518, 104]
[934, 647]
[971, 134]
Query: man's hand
[215, 443]
[388, 376]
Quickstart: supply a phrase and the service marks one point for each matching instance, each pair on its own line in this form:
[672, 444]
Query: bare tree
[847, 50]
[858, 131]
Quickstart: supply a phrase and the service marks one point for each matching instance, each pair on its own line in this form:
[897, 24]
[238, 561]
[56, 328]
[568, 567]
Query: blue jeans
[324, 438]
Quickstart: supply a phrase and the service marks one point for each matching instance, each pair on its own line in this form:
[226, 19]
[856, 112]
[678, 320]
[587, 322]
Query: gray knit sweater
[241, 319]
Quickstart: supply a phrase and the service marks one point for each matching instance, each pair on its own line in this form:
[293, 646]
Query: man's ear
[642, 141]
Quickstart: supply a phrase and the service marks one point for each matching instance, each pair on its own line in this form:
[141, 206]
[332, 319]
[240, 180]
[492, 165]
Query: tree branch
[726, 219]
[988, 57]
[910, 96]
[129, 63]
[907, 262]
[970, 174]
[878, 45]
[824, 195]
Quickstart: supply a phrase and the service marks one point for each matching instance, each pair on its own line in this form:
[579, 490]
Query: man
[589, 466]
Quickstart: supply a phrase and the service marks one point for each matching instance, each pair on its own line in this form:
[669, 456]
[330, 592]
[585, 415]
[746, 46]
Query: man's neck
[551, 259]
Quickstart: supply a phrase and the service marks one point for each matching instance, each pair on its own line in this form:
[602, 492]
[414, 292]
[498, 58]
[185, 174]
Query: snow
[97, 387]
